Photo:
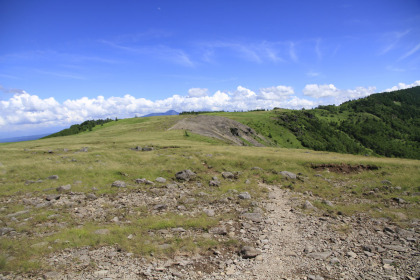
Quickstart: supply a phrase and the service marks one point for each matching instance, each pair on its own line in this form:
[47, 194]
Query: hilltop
[157, 198]
[384, 124]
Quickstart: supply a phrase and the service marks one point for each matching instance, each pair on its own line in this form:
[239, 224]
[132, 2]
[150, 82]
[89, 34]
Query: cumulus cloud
[318, 91]
[330, 94]
[197, 92]
[276, 93]
[23, 110]
[403, 86]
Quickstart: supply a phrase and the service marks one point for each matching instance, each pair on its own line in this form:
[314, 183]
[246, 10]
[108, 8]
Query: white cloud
[332, 95]
[197, 92]
[276, 93]
[403, 86]
[318, 91]
[24, 111]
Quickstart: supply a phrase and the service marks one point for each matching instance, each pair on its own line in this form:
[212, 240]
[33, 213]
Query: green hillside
[385, 124]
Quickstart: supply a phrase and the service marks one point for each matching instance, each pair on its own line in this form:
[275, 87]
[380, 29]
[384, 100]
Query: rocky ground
[282, 237]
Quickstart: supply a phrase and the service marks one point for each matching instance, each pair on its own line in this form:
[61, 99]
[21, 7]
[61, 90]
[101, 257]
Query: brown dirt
[221, 128]
[344, 168]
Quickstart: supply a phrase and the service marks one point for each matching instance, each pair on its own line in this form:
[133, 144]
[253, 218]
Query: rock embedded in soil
[228, 175]
[308, 205]
[119, 184]
[185, 175]
[160, 180]
[53, 177]
[64, 188]
[244, 195]
[288, 174]
[249, 252]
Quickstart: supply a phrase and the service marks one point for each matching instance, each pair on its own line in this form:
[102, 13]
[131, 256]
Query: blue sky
[62, 62]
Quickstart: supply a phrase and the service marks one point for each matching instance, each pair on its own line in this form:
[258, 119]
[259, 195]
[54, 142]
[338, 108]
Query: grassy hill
[35, 213]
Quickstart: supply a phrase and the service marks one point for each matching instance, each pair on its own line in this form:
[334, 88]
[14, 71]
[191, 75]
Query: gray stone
[288, 174]
[247, 181]
[160, 207]
[249, 252]
[397, 248]
[228, 175]
[255, 217]
[119, 184]
[320, 255]
[352, 254]
[209, 212]
[91, 196]
[64, 188]
[185, 175]
[244, 195]
[52, 197]
[147, 149]
[214, 183]
[334, 261]
[220, 230]
[315, 277]
[328, 203]
[160, 180]
[308, 205]
[53, 177]
[84, 149]
[6, 230]
[386, 182]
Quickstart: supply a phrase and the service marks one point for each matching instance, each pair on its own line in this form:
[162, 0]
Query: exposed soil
[344, 168]
[221, 128]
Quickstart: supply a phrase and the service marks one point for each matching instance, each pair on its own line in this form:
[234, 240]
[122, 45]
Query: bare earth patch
[221, 128]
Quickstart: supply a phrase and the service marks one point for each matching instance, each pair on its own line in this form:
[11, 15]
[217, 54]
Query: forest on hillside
[386, 124]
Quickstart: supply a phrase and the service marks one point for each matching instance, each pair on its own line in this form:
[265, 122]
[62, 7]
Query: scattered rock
[352, 254]
[228, 175]
[214, 183]
[386, 182]
[328, 203]
[255, 217]
[53, 177]
[84, 149]
[64, 188]
[6, 230]
[249, 252]
[147, 149]
[119, 184]
[159, 207]
[160, 180]
[185, 175]
[209, 212]
[244, 195]
[320, 255]
[308, 205]
[52, 197]
[91, 196]
[288, 174]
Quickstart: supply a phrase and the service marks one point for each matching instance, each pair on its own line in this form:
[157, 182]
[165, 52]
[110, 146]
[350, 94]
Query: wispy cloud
[292, 52]
[410, 52]
[313, 74]
[61, 75]
[393, 39]
[162, 52]
[8, 76]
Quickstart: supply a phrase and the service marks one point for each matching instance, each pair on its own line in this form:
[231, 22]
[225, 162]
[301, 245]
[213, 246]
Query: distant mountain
[167, 113]
[22, 138]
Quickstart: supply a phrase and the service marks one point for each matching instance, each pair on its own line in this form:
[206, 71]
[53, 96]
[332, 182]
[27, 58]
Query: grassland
[109, 157]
